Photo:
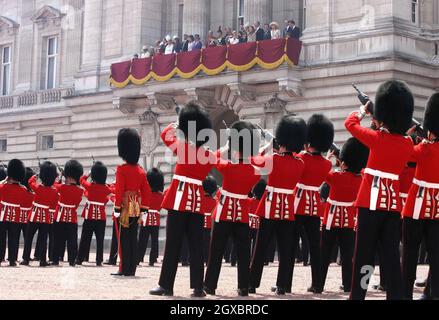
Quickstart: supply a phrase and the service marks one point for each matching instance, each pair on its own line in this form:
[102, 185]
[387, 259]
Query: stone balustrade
[35, 98]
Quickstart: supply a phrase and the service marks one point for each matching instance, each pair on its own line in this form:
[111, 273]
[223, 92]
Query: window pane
[51, 73]
[47, 142]
[3, 145]
[52, 46]
[240, 8]
[6, 54]
[6, 79]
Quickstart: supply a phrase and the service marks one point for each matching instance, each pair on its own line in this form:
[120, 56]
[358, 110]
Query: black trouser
[413, 232]
[303, 246]
[3, 235]
[284, 231]
[11, 232]
[221, 232]
[144, 235]
[346, 240]
[228, 251]
[43, 232]
[423, 258]
[88, 228]
[271, 251]
[179, 224]
[128, 245]
[377, 228]
[206, 244]
[311, 227]
[253, 238]
[62, 232]
[184, 252]
[22, 230]
[114, 244]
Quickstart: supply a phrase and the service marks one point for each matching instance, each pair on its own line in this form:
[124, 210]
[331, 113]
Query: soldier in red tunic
[41, 216]
[26, 204]
[340, 213]
[307, 202]
[208, 204]
[421, 212]
[150, 223]
[378, 200]
[276, 208]
[231, 215]
[183, 199]
[132, 197]
[3, 175]
[253, 219]
[97, 193]
[65, 228]
[11, 197]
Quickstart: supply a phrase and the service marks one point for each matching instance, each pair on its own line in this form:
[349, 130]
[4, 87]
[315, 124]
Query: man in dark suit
[260, 34]
[198, 45]
[292, 30]
[185, 43]
[267, 32]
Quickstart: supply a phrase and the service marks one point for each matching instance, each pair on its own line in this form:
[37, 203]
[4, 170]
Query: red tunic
[254, 220]
[307, 193]
[45, 202]
[193, 165]
[423, 198]
[389, 154]
[152, 218]
[11, 197]
[340, 211]
[26, 206]
[97, 199]
[207, 205]
[405, 182]
[277, 201]
[131, 178]
[238, 181]
[70, 197]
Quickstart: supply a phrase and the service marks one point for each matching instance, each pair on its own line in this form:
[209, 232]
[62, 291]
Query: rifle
[177, 107]
[335, 150]
[2, 164]
[61, 170]
[93, 158]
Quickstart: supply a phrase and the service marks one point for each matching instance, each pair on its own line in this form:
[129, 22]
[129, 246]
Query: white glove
[116, 214]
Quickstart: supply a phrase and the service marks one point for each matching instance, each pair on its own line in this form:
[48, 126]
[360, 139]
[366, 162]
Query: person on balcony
[191, 41]
[275, 31]
[259, 32]
[178, 45]
[291, 30]
[145, 52]
[198, 45]
[267, 32]
[251, 35]
[169, 45]
[234, 39]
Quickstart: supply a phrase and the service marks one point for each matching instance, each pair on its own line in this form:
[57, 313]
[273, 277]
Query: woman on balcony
[275, 31]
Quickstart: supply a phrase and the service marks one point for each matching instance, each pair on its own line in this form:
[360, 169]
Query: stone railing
[35, 98]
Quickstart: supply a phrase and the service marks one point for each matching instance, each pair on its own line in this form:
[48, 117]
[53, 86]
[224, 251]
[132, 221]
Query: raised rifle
[2, 164]
[335, 150]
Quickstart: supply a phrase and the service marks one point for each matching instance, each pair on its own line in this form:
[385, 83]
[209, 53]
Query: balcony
[34, 98]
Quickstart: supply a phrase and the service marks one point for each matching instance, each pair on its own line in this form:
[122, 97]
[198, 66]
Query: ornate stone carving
[275, 105]
[124, 105]
[47, 16]
[150, 131]
[291, 87]
[244, 91]
[8, 26]
[202, 96]
[161, 101]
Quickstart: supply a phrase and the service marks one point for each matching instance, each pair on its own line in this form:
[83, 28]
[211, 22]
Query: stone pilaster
[196, 16]
[258, 10]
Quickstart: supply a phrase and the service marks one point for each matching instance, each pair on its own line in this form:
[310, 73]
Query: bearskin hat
[210, 186]
[394, 106]
[99, 173]
[73, 169]
[195, 115]
[128, 144]
[291, 133]
[16, 170]
[3, 174]
[355, 155]
[320, 132]
[259, 189]
[431, 118]
[48, 173]
[156, 180]
[29, 174]
[244, 138]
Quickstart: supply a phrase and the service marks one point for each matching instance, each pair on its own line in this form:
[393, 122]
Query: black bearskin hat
[73, 169]
[99, 173]
[320, 132]
[128, 144]
[431, 118]
[156, 180]
[195, 114]
[291, 133]
[394, 106]
[3, 174]
[48, 173]
[355, 155]
[259, 189]
[29, 174]
[16, 170]
[244, 138]
[210, 186]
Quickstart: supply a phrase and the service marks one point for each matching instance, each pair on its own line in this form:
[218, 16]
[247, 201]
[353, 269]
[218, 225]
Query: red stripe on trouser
[119, 251]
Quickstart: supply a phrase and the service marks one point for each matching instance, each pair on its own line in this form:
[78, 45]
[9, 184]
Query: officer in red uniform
[65, 228]
[94, 214]
[183, 199]
[208, 203]
[254, 220]
[231, 215]
[378, 200]
[307, 202]
[276, 208]
[150, 223]
[421, 212]
[132, 197]
[43, 208]
[340, 213]
[26, 204]
[11, 197]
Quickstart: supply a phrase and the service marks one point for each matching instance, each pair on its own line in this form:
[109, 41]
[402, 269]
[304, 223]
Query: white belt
[6, 204]
[375, 186]
[381, 174]
[308, 188]
[180, 188]
[403, 195]
[66, 205]
[208, 214]
[37, 205]
[100, 204]
[251, 215]
[420, 196]
[230, 195]
[26, 209]
[280, 190]
[340, 204]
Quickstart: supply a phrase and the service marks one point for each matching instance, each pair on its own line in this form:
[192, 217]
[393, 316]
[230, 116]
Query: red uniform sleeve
[85, 183]
[329, 178]
[419, 152]
[57, 186]
[261, 161]
[33, 184]
[145, 192]
[367, 136]
[169, 137]
[119, 187]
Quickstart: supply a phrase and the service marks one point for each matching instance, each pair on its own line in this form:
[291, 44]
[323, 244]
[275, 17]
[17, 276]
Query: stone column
[259, 10]
[196, 15]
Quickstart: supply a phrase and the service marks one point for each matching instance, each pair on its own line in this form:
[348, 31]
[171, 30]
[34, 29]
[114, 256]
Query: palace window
[304, 14]
[240, 13]
[5, 72]
[415, 11]
[3, 145]
[51, 62]
[45, 142]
